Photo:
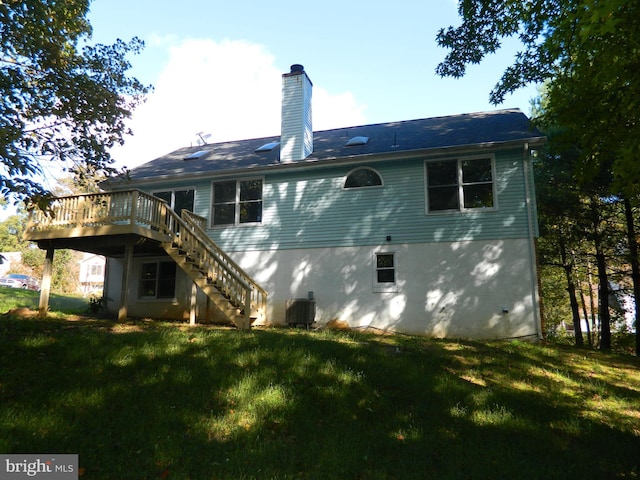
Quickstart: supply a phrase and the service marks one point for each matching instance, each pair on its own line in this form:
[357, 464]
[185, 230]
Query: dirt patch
[126, 328]
[338, 324]
[24, 312]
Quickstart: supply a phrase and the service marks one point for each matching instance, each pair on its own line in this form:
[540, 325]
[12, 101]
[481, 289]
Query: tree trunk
[585, 314]
[45, 285]
[567, 265]
[603, 297]
[592, 307]
[635, 267]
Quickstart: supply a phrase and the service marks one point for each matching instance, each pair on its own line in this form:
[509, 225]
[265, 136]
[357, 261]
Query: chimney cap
[297, 68]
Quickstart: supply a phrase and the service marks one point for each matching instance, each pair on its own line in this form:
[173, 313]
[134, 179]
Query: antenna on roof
[203, 137]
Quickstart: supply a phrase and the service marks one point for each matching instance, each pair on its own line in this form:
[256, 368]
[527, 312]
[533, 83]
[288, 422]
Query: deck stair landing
[133, 213]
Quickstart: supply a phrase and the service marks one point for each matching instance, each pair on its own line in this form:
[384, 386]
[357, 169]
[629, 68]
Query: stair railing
[228, 277]
[258, 294]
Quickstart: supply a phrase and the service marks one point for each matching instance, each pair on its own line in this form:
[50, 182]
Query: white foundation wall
[177, 308]
[469, 289]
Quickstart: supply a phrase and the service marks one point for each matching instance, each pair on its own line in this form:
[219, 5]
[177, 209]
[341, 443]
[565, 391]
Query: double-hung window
[385, 272]
[96, 270]
[460, 184]
[237, 202]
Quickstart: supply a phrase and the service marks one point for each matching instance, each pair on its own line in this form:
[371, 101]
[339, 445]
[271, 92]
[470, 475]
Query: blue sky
[217, 65]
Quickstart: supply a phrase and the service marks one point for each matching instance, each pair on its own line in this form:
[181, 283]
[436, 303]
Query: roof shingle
[481, 128]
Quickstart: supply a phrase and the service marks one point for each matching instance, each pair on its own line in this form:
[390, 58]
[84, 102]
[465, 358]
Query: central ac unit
[300, 311]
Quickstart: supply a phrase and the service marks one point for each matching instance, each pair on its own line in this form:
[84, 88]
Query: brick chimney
[296, 136]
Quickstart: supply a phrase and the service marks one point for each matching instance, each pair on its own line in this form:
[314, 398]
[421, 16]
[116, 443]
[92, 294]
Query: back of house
[423, 226]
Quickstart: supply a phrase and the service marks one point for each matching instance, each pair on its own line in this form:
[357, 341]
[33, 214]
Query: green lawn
[145, 400]
[11, 298]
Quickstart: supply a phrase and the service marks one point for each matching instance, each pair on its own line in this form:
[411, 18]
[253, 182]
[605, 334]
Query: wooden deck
[129, 223]
[102, 224]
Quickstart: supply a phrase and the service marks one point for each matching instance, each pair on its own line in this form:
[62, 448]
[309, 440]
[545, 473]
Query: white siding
[459, 274]
[296, 141]
[475, 289]
[311, 209]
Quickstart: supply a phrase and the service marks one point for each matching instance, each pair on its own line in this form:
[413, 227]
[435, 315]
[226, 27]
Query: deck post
[194, 303]
[247, 310]
[126, 273]
[45, 286]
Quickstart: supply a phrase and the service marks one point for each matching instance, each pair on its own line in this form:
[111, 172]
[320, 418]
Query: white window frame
[236, 220]
[381, 287]
[460, 185]
[344, 181]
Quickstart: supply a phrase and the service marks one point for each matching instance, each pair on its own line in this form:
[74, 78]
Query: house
[9, 260]
[423, 226]
[91, 275]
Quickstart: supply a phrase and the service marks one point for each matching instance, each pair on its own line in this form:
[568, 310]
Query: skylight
[357, 141]
[197, 154]
[267, 147]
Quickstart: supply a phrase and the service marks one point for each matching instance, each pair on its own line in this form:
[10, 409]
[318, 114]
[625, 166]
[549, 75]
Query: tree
[632, 241]
[11, 233]
[65, 266]
[62, 99]
[559, 205]
[587, 51]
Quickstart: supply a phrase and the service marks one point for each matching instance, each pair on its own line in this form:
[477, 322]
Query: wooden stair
[212, 288]
[236, 296]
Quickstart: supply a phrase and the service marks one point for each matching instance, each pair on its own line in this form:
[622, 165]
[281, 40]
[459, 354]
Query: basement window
[385, 272]
[157, 280]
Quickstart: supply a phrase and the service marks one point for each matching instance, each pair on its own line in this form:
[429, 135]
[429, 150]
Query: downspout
[533, 258]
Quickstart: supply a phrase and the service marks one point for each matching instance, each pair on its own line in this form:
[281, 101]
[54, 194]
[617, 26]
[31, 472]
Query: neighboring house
[422, 226]
[8, 261]
[91, 276]
[622, 302]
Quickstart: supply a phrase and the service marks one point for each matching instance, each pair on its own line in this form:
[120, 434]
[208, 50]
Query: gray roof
[386, 139]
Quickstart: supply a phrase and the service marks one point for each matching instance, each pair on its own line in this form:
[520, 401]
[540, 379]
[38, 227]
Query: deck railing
[137, 208]
[131, 207]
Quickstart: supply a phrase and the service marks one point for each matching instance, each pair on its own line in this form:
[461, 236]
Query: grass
[150, 400]
[11, 298]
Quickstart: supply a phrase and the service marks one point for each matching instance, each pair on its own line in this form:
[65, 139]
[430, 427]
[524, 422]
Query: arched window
[363, 177]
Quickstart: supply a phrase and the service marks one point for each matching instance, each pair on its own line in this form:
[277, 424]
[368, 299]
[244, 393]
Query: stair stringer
[211, 288]
[230, 273]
